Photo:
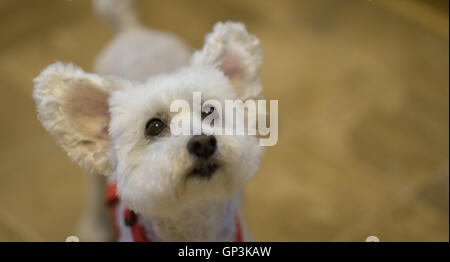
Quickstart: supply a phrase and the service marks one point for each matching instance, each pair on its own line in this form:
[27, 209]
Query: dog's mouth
[203, 170]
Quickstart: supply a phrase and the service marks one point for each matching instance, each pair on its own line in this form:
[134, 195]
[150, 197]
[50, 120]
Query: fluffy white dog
[115, 124]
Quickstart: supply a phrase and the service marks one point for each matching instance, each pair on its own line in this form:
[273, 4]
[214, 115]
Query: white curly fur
[51, 91]
[151, 173]
[157, 168]
[232, 39]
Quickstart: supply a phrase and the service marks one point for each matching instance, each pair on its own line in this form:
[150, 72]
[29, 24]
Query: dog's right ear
[73, 106]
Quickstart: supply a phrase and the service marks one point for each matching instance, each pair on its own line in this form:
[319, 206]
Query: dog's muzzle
[202, 147]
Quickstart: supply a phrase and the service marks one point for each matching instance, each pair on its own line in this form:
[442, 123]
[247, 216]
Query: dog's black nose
[202, 146]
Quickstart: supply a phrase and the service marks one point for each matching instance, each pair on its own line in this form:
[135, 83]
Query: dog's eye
[208, 111]
[154, 127]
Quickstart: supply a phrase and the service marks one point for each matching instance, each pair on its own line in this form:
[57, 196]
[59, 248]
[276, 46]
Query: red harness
[131, 219]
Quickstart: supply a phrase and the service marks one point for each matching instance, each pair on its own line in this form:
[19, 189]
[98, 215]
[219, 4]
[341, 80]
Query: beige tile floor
[363, 90]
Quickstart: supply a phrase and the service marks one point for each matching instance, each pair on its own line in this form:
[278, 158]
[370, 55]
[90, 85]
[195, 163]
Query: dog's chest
[131, 227]
[127, 225]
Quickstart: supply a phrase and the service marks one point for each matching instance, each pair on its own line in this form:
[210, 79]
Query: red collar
[131, 219]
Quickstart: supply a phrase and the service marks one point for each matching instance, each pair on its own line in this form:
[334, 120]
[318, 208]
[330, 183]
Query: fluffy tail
[120, 13]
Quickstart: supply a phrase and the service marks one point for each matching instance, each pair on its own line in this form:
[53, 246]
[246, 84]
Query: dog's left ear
[235, 52]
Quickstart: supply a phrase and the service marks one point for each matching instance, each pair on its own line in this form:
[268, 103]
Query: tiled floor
[363, 90]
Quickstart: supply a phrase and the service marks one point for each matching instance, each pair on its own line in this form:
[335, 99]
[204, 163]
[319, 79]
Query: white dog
[115, 124]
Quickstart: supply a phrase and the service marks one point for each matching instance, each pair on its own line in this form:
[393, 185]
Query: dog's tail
[120, 13]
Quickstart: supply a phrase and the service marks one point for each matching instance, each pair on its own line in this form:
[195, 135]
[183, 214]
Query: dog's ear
[237, 53]
[73, 106]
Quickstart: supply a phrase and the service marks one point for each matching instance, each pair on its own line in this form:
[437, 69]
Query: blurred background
[363, 90]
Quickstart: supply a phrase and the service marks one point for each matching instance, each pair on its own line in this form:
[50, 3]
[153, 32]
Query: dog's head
[111, 125]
